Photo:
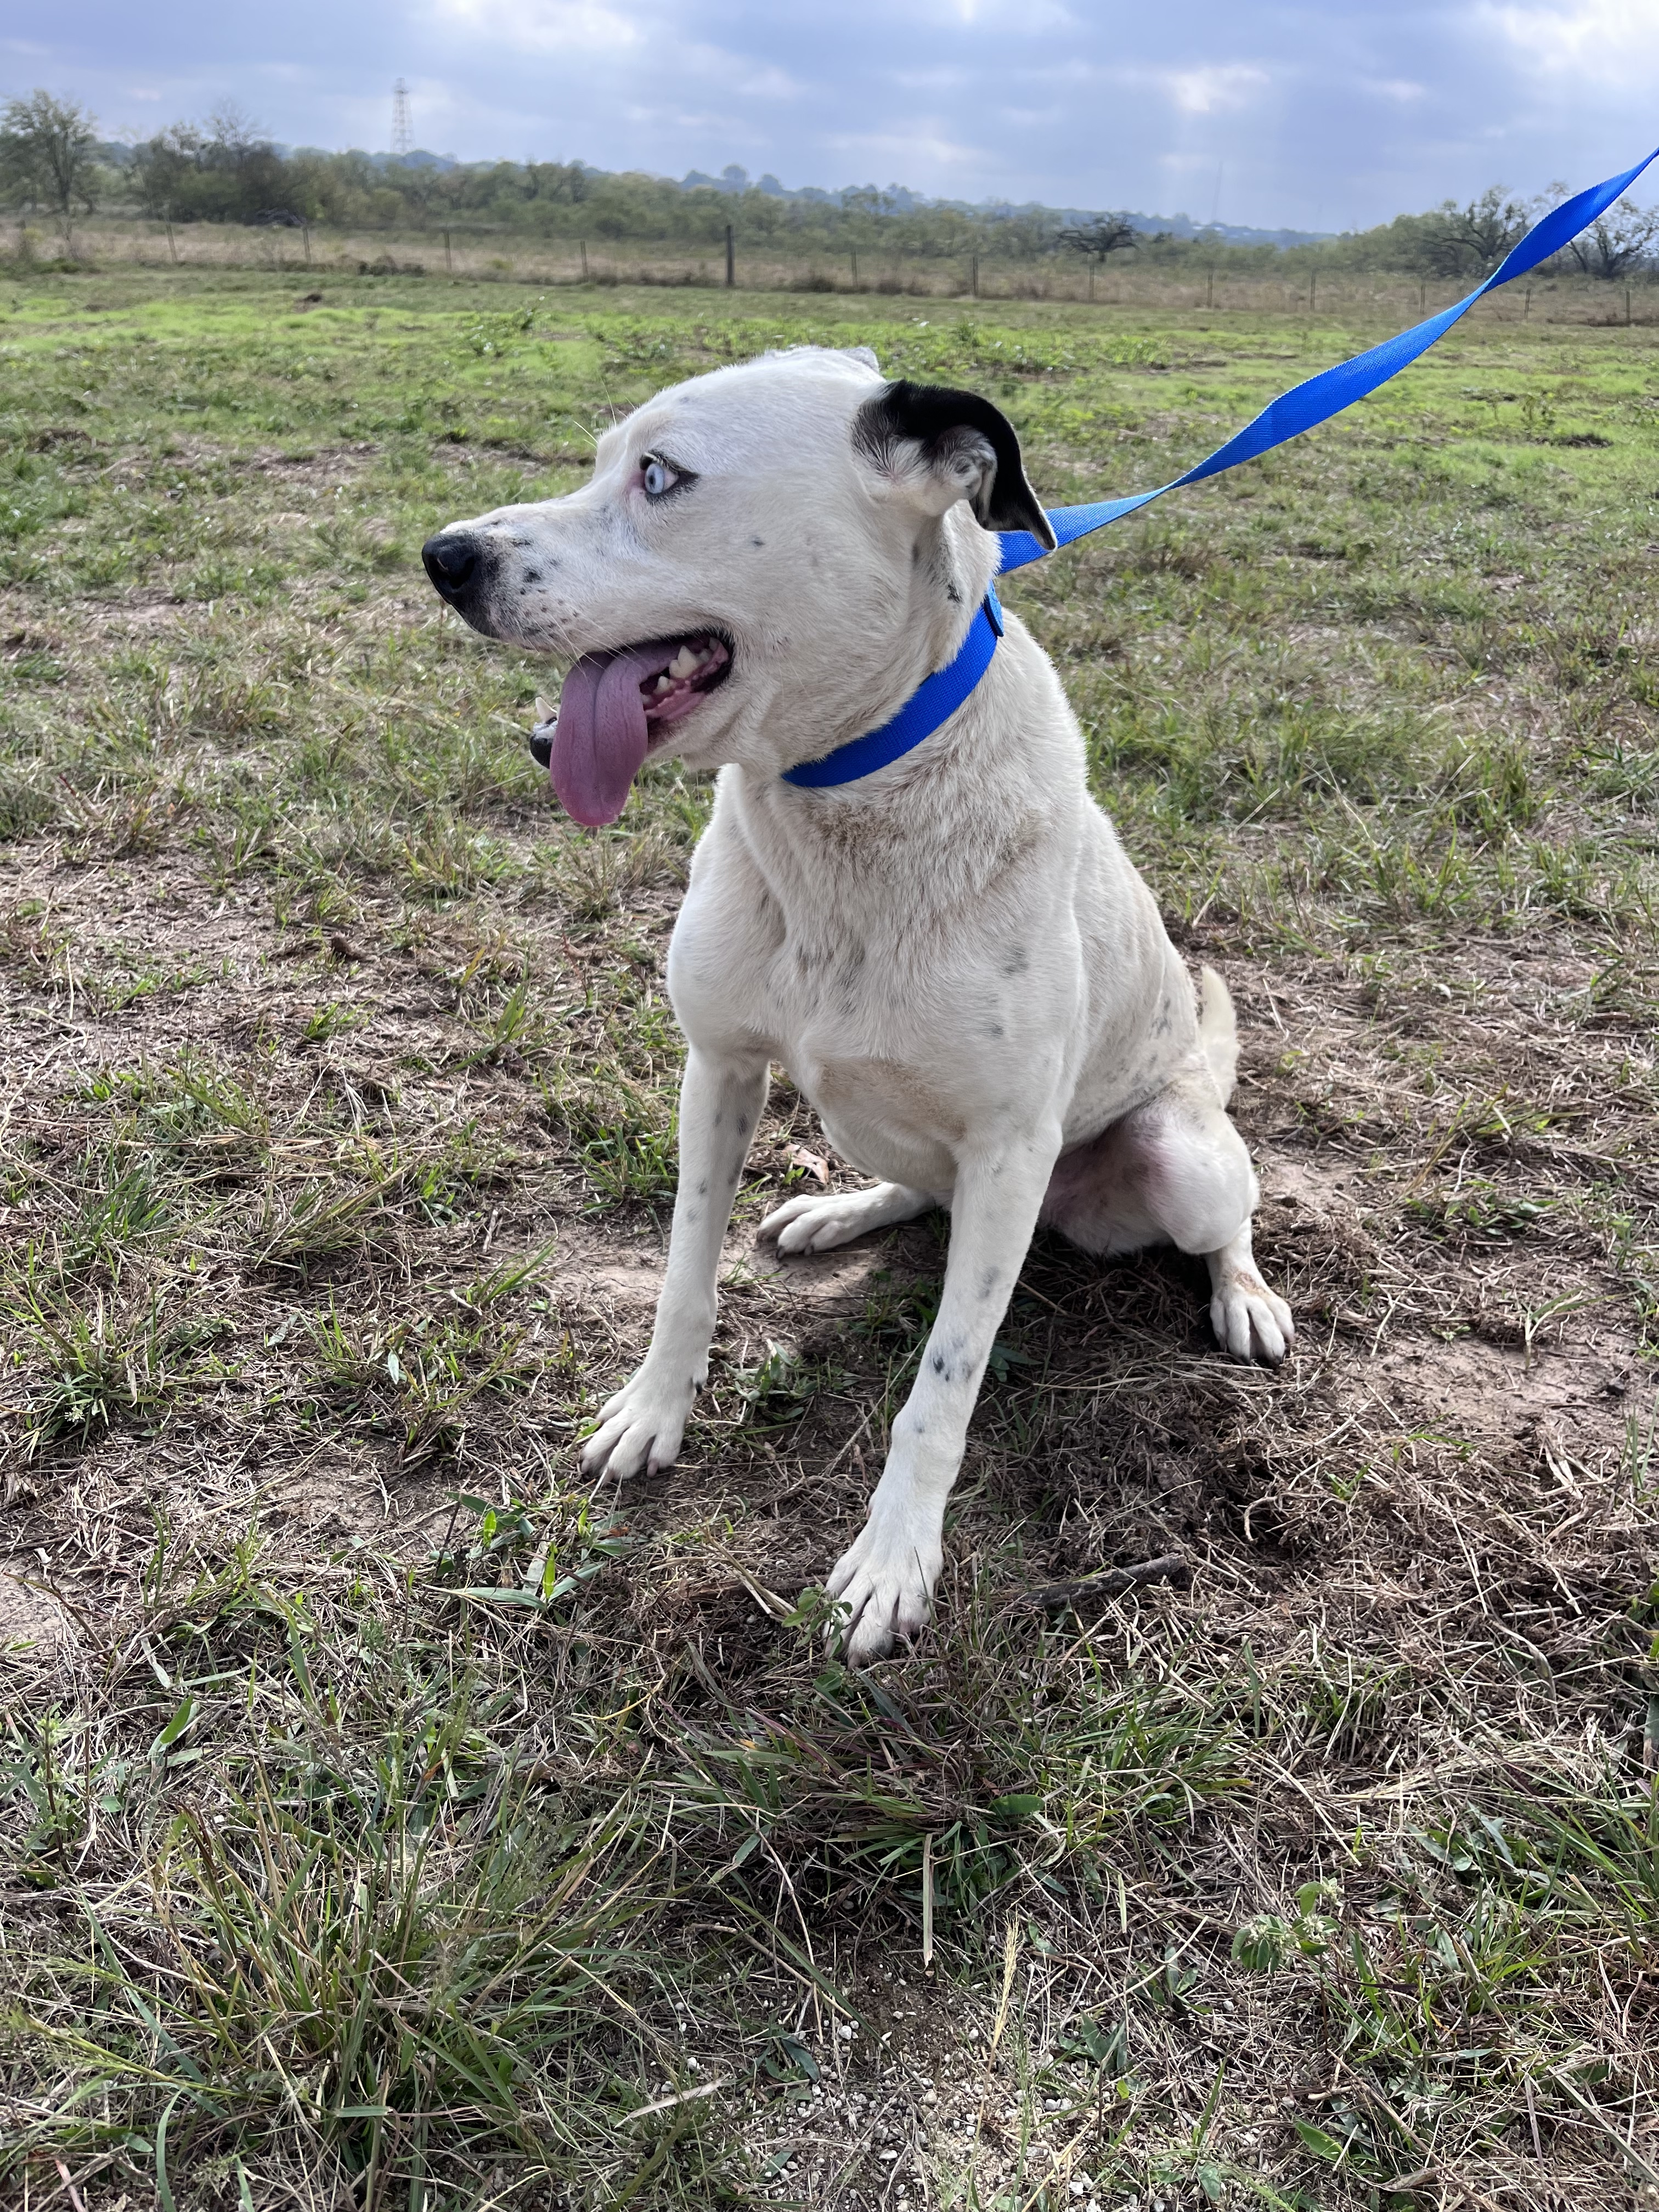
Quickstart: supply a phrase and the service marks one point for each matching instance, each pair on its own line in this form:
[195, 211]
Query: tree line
[52, 163]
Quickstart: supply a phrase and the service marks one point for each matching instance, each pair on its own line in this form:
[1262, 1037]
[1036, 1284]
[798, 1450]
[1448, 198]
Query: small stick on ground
[1055, 1597]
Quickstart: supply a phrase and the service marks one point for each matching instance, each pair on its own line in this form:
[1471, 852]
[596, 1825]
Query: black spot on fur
[995, 1030]
[757, 541]
[935, 416]
[1017, 963]
[702, 1190]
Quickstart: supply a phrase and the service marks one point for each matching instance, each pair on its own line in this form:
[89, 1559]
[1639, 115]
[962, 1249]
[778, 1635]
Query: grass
[386, 1821]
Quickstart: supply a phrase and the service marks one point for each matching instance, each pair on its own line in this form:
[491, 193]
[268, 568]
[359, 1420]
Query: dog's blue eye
[659, 479]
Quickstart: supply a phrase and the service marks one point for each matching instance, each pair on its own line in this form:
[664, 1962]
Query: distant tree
[1616, 242]
[1472, 240]
[555, 181]
[1102, 234]
[49, 157]
[220, 171]
[161, 166]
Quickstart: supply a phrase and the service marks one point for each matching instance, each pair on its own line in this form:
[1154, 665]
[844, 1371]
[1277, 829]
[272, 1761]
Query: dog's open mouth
[614, 707]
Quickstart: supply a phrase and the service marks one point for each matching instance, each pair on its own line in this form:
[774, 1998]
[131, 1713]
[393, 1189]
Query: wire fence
[480, 254]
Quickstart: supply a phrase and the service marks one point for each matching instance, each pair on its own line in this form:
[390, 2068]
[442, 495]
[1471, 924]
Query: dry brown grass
[384, 1821]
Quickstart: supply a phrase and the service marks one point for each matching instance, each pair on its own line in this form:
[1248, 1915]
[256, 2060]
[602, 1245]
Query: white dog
[953, 956]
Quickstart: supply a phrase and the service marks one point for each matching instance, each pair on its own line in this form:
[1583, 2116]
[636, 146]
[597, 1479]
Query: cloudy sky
[1322, 114]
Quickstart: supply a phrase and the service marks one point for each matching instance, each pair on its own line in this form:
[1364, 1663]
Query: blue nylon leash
[1303, 407]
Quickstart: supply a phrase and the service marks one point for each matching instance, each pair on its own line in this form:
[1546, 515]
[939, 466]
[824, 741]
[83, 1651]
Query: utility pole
[402, 135]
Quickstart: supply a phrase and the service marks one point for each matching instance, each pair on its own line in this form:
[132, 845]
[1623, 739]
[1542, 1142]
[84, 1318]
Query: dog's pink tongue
[600, 737]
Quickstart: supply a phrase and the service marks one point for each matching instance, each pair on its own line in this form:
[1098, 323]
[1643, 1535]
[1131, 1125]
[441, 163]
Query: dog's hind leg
[1176, 1171]
[720, 1102]
[820, 1221]
[1250, 1322]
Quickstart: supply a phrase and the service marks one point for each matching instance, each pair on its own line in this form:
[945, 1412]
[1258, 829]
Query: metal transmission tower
[403, 136]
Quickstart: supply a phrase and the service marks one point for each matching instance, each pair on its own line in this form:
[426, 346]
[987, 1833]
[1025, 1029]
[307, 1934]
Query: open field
[385, 1820]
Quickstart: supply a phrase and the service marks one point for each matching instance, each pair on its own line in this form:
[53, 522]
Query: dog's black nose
[451, 561]
[541, 743]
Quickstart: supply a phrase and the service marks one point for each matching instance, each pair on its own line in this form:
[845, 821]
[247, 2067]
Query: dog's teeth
[684, 662]
[665, 683]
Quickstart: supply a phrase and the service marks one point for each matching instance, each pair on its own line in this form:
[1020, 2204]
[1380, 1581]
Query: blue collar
[1302, 408]
[934, 702]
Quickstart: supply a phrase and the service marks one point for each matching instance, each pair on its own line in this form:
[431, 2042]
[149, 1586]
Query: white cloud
[903, 156]
[752, 80]
[549, 27]
[1218, 90]
[1031, 18]
[940, 78]
[1609, 41]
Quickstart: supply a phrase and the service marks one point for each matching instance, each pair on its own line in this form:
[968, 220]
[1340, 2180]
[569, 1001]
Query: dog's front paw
[884, 1582]
[642, 1425]
[1250, 1320]
[810, 1223]
[817, 1225]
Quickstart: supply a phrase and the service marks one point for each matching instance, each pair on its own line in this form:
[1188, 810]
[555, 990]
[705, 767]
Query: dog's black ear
[964, 445]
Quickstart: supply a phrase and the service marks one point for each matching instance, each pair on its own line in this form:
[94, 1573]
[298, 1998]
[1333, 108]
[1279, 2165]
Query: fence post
[1313, 289]
[172, 248]
[1526, 305]
[1092, 276]
[1209, 292]
[583, 255]
[973, 274]
[1422, 298]
[731, 259]
[449, 262]
[1627, 307]
[855, 268]
[305, 233]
